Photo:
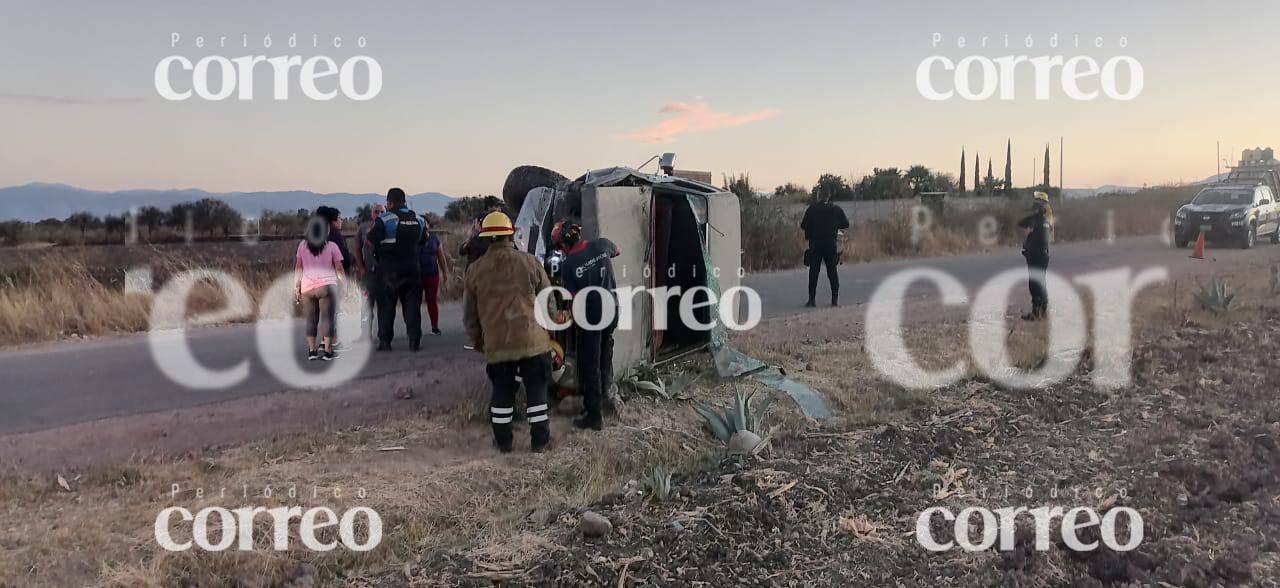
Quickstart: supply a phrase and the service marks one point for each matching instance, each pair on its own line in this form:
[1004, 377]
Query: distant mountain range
[37, 201]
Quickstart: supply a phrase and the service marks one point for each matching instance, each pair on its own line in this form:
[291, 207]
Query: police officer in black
[395, 238]
[1035, 248]
[822, 224]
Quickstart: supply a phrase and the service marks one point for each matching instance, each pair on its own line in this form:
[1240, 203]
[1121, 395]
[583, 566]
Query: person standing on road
[1035, 248]
[589, 264]
[473, 247]
[333, 217]
[364, 270]
[822, 224]
[317, 275]
[500, 318]
[396, 236]
[435, 271]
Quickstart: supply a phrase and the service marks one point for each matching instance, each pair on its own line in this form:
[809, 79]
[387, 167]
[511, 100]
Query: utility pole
[1062, 188]
[1218, 153]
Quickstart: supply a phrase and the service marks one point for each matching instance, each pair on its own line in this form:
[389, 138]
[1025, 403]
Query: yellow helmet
[1041, 196]
[496, 224]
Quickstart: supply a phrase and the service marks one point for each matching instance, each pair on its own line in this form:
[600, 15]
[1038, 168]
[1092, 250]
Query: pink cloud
[697, 117]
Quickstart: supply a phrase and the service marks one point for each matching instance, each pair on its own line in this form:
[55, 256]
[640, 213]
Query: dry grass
[843, 370]
[63, 292]
[447, 489]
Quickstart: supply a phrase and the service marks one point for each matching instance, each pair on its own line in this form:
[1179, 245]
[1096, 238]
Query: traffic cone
[1198, 252]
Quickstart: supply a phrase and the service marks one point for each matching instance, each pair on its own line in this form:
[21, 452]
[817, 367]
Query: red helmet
[565, 234]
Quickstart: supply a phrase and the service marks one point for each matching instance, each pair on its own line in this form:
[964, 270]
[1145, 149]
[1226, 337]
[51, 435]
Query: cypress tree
[1008, 163]
[1046, 166]
[962, 164]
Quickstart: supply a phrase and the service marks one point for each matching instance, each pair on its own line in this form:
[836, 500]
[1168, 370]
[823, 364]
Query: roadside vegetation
[808, 503]
[771, 238]
[70, 292]
[73, 291]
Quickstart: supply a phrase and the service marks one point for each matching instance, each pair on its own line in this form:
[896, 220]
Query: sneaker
[585, 422]
[336, 347]
[810, 304]
[436, 332]
[384, 346]
[313, 355]
[329, 356]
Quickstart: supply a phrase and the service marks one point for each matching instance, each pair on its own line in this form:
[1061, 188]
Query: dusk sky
[784, 91]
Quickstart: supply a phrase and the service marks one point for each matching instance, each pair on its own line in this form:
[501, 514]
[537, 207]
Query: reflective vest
[403, 231]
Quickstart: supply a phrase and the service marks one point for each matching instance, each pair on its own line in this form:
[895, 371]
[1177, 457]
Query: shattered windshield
[1225, 197]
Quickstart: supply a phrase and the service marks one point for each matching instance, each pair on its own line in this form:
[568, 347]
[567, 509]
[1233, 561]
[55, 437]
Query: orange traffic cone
[1198, 252]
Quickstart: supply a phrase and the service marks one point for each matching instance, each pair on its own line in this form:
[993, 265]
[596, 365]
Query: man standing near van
[396, 237]
[822, 224]
[589, 264]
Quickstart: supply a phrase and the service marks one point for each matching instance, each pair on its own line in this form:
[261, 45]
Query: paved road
[64, 383]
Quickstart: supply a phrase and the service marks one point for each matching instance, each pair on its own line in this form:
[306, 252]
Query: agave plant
[644, 378]
[1214, 296]
[724, 421]
[658, 483]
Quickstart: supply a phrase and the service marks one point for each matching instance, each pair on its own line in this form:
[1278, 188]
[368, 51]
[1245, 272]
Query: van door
[724, 242]
[623, 214]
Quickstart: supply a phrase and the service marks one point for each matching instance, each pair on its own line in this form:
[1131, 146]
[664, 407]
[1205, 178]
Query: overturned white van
[672, 232]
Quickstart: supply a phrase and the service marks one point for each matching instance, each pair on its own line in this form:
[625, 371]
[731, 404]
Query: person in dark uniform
[822, 224]
[586, 264]
[1035, 248]
[396, 237]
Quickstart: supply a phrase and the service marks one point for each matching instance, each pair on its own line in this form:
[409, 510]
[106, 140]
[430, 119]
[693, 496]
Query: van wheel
[1250, 237]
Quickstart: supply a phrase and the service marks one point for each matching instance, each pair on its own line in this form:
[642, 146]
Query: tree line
[892, 182]
[880, 184]
[208, 217]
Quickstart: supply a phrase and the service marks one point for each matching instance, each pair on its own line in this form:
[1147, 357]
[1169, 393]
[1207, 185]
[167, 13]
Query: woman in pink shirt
[317, 274]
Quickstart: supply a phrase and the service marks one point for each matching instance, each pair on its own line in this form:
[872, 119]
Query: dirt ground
[1193, 445]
